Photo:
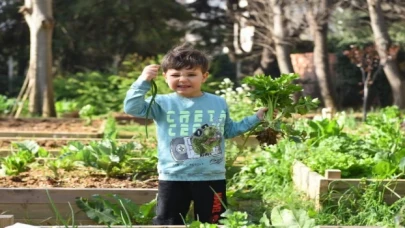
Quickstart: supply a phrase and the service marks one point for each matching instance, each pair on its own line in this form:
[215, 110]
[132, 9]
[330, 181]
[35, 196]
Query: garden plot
[102, 167]
[331, 186]
[51, 127]
[33, 206]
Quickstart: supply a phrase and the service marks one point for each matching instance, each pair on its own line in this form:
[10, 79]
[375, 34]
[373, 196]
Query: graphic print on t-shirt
[205, 141]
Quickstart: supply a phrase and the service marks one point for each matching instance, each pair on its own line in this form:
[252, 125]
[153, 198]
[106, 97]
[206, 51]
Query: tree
[386, 53]
[277, 25]
[38, 85]
[100, 34]
[14, 42]
[318, 12]
[367, 60]
[281, 40]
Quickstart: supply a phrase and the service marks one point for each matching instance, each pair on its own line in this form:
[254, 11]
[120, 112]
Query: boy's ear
[164, 75]
[205, 76]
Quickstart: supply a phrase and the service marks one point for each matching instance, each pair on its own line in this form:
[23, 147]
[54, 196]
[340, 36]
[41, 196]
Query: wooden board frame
[317, 187]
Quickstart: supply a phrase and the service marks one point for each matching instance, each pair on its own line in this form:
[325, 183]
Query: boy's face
[186, 82]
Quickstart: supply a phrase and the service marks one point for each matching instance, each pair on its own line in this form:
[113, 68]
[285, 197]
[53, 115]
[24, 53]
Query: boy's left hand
[261, 112]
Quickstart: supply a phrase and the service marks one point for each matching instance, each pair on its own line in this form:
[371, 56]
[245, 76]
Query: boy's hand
[261, 112]
[150, 72]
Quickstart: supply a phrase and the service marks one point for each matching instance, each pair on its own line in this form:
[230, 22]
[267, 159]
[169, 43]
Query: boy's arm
[233, 129]
[134, 102]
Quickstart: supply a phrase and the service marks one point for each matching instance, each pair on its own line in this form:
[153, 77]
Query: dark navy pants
[174, 199]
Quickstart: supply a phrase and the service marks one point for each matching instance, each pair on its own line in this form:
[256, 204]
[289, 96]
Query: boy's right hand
[150, 72]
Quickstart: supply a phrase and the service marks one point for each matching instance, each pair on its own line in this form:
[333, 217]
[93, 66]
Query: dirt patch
[80, 178]
[49, 125]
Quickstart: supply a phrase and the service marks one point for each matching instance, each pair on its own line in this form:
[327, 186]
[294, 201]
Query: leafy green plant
[281, 216]
[6, 105]
[110, 130]
[16, 162]
[32, 147]
[115, 210]
[321, 129]
[87, 112]
[277, 95]
[66, 106]
[115, 159]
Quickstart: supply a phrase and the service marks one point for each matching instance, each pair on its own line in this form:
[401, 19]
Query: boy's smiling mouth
[183, 86]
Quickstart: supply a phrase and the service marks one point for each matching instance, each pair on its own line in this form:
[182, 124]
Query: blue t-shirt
[190, 132]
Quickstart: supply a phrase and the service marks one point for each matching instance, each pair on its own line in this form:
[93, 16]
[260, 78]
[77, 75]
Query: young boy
[191, 128]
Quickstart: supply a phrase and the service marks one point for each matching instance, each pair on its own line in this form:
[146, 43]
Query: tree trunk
[268, 64]
[318, 20]
[39, 17]
[282, 45]
[389, 63]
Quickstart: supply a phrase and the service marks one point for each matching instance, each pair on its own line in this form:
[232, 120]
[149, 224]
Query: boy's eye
[175, 75]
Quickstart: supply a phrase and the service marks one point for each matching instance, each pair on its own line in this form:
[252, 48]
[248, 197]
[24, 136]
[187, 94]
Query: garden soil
[48, 125]
[43, 177]
[80, 178]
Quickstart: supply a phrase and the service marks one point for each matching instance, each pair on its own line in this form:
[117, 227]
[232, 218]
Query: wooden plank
[301, 176]
[105, 226]
[19, 139]
[64, 195]
[50, 222]
[50, 134]
[317, 187]
[314, 185]
[42, 211]
[333, 174]
[133, 226]
[6, 220]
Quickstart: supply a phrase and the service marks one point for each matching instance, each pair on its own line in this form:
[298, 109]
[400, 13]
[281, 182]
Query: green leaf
[31, 146]
[291, 218]
[96, 211]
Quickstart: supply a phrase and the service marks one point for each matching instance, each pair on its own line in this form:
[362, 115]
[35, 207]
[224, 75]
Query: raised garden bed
[318, 187]
[24, 195]
[32, 206]
[51, 127]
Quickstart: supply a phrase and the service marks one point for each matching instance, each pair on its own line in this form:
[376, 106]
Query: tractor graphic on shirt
[205, 141]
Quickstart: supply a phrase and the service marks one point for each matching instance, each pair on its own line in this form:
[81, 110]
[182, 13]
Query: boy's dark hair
[185, 56]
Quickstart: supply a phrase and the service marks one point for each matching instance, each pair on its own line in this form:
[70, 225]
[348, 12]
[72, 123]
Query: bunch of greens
[277, 94]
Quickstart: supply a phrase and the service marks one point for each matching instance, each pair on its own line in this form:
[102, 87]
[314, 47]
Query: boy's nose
[182, 78]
